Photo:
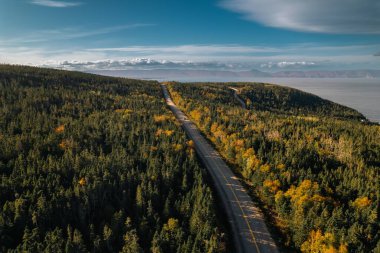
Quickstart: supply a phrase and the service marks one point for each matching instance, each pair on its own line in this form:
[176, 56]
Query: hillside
[312, 164]
[97, 164]
[285, 100]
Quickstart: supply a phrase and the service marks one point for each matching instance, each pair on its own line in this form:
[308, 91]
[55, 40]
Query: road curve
[236, 96]
[250, 234]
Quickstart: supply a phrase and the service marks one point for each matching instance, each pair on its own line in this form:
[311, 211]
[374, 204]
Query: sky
[267, 35]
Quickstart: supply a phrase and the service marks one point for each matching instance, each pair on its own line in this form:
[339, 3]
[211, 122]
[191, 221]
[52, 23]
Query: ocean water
[362, 94]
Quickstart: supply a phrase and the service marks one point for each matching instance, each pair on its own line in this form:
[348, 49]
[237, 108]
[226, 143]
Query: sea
[362, 94]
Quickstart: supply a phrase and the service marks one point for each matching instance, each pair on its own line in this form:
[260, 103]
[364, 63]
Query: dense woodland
[313, 164]
[97, 164]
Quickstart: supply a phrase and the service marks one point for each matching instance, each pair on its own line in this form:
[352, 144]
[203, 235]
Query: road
[238, 98]
[250, 234]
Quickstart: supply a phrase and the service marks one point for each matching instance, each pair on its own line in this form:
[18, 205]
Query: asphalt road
[236, 96]
[249, 231]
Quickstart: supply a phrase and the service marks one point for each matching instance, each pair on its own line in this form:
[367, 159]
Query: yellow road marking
[244, 215]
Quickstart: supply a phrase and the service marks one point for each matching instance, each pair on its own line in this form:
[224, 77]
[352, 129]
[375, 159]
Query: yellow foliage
[343, 249]
[281, 166]
[166, 132]
[265, 168]
[59, 129]
[361, 202]
[273, 185]
[317, 242]
[161, 118]
[306, 191]
[196, 115]
[322, 243]
[318, 198]
[344, 149]
[252, 162]
[171, 225]
[168, 83]
[273, 135]
[330, 249]
[177, 147]
[249, 152]
[278, 196]
[214, 127]
[190, 144]
[210, 96]
[220, 134]
[82, 181]
[124, 111]
[239, 144]
[308, 118]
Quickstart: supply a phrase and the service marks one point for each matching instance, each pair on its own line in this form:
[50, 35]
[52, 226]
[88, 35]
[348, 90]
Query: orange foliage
[249, 152]
[190, 144]
[59, 129]
[64, 144]
[82, 181]
[169, 132]
[239, 144]
[214, 127]
[153, 148]
[159, 132]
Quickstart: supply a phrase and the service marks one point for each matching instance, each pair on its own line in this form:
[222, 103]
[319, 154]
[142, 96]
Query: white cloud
[55, 4]
[191, 49]
[288, 64]
[326, 16]
[67, 33]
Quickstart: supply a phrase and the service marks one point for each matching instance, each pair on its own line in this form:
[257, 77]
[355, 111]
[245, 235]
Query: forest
[98, 164]
[311, 164]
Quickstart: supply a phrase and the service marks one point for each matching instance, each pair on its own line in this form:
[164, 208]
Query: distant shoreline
[359, 93]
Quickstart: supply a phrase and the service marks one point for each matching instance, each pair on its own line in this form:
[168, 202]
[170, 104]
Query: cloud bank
[147, 63]
[377, 54]
[324, 16]
[55, 4]
[288, 64]
[207, 57]
[152, 64]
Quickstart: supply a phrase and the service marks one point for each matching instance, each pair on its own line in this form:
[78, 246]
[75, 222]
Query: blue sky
[268, 35]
